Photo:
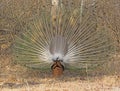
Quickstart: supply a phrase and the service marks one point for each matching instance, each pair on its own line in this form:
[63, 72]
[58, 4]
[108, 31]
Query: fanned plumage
[77, 43]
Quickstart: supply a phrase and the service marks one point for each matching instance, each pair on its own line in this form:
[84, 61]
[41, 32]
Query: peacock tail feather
[70, 37]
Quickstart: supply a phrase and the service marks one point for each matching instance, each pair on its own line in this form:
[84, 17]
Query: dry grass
[14, 77]
[104, 84]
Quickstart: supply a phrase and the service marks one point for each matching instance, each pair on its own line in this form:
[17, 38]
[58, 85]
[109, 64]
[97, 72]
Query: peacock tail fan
[70, 37]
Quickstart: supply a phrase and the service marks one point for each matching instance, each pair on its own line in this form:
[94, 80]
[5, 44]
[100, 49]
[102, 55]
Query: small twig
[28, 87]
[81, 9]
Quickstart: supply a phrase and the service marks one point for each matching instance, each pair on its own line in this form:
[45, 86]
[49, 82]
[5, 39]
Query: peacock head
[57, 67]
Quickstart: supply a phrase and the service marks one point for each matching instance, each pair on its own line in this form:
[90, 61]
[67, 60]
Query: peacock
[63, 39]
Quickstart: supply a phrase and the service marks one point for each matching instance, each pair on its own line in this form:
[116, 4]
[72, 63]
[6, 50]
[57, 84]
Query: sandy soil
[14, 77]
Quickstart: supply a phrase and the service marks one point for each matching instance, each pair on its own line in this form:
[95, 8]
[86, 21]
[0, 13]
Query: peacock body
[68, 38]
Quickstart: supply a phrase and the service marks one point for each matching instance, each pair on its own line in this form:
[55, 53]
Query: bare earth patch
[104, 84]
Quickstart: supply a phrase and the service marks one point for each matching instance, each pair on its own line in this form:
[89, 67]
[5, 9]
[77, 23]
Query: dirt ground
[14, 77]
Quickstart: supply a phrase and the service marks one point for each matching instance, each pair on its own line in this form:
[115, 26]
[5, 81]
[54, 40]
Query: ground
[14, 77]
